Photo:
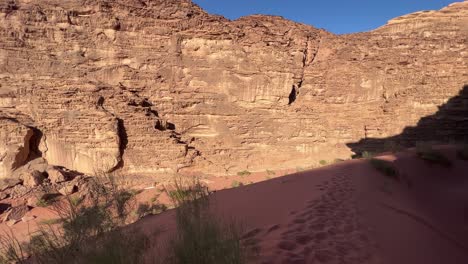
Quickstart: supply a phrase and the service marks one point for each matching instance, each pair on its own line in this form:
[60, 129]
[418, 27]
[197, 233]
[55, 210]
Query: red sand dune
[350, 213]
[346, 213]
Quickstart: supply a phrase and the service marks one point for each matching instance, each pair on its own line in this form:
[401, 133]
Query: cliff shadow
[448, 125]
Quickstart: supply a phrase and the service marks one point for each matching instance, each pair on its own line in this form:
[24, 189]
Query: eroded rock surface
[157, 86]
[14, 145]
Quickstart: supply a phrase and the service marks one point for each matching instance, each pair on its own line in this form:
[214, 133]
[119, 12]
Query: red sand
[347, 213]
[350, 213]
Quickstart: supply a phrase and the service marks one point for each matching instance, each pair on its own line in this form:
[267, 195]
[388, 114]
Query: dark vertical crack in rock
[306, 61]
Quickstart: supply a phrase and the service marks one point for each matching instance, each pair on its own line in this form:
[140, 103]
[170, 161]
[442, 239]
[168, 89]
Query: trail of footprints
[326, 231]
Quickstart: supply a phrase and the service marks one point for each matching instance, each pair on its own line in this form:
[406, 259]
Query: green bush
[90, 231]
[385, 167]
[42, 203]
[236, 184]
[203, 238]
[432, 156]
[323, 162]
[244, 173]
[365, 154]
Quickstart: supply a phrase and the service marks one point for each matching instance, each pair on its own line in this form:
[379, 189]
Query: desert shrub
[11, 250]
[365, 154]
[270, 172]
[338, 160]
[462, 153]
[145, 209]
[236, 184]
[47, 199]
[299, 169]
[323, 162]
[42, 203]
[385, 167]
[426, 153]
[201, 237]
[89, 233]
[244, 173]
[142, 210]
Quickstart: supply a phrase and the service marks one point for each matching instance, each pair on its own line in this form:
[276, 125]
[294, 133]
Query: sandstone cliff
[152, 86]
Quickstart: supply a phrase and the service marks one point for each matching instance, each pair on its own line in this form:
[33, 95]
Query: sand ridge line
[427, 224]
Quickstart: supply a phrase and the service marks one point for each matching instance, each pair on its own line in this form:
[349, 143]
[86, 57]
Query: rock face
[155, 86]
[14, 145]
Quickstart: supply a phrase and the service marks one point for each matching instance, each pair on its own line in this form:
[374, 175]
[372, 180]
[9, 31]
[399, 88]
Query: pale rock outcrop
[56, 175]
[14, 145]
[33, 178]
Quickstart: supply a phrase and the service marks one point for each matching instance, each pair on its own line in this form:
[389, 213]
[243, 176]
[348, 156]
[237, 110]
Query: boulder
[28, 218]
[14, 145]
[9, 183]
[33, 178]
[56, 175]
[68, 189]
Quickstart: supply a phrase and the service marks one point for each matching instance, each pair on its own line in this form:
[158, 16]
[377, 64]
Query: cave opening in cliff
[292, 95]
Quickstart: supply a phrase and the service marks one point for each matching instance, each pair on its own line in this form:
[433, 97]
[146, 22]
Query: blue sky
[337, 16]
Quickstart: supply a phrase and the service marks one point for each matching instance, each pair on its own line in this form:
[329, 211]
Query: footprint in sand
[326, 230]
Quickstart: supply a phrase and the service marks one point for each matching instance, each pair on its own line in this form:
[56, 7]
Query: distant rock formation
[156, 86]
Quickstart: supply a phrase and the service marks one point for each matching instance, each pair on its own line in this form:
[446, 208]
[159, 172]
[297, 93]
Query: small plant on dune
[244, 173]
[299, 169]
[271, 172]
[42, 203]
[236, 184]
[428, 154]
[203, 238]
[75, 200]
[46, 199]
[367, 155]
[385, 167]
[462, 153]
[338, 160]
[145, 209]
[323, 162]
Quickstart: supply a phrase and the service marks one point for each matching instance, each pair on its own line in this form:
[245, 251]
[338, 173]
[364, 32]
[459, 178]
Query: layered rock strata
[156, 86]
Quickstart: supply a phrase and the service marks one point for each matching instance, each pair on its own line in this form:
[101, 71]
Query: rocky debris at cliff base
[9, 183]
[56, 175]
[33, 179]
[68, 189]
